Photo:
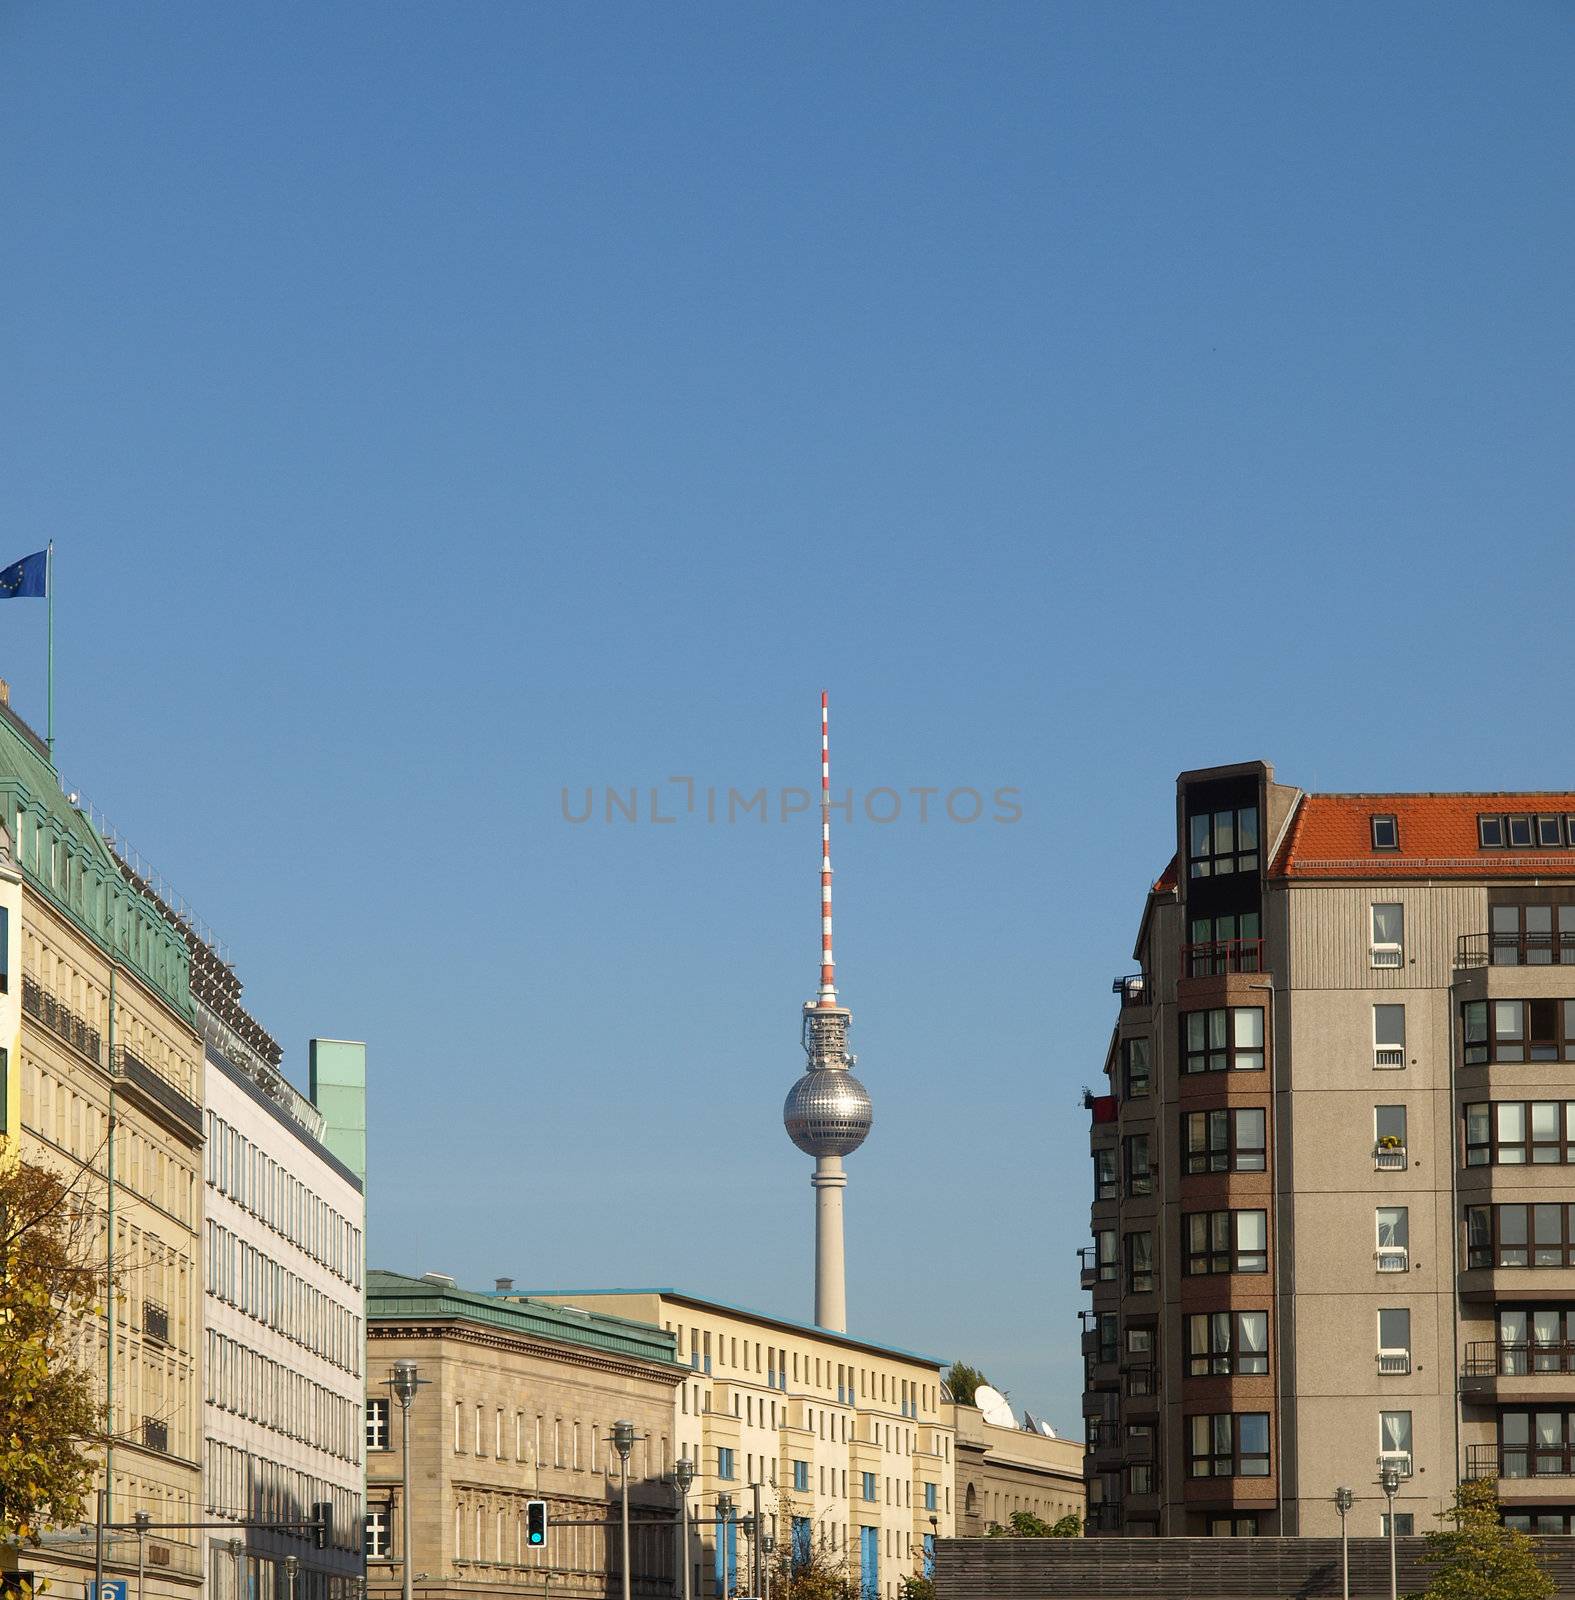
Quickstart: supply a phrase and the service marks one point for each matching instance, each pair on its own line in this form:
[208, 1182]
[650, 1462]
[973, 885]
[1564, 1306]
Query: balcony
[1105, 1517]
[1092, 1270]
[1393, 1258]
[156, 1434]
[1394, 1363]
[1390, 1158]
[1385, 955]
[1136, 989]
[61, 1021]
[1140, 1383]
[1491, 1371]
[1514, 950]
[155, 1322]
[1513, 1462]
[1220, 956]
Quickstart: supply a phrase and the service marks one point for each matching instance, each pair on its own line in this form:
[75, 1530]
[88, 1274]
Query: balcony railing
[1219, 956]
[1092, 1270]
[1390, 1158]
[1394, 1363]
[1106, 1516]
[1515, 950]
[155, 1321]
[1389, 1055]
[1393, 1258]
[1520, 1461]
[1487, 1358]
[1136, 989]
[1139, 1381]
[1400, 1460]
[156, 1434]
[1385, 955]
[59, 1019]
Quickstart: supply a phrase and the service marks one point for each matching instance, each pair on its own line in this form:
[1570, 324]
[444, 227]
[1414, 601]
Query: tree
[49, 1410]
[915, 1586]
[964, 1382]
[1478, 1558]
[1025, 1525]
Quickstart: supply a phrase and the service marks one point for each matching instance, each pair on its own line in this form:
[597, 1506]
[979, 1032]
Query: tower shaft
[831, 1290]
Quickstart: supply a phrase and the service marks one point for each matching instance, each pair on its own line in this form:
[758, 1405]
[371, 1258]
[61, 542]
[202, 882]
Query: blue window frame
[726, 1557]
[869, 1563]
[929, 1555]
[801, 1475]
[724, 1462]
[869, 1485]
[803, 1551]
[929, 1498]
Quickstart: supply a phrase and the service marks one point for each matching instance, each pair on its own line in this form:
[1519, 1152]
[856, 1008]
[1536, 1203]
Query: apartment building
[1001, 1470]
[105, 1088]
[1331, 1211]
[517, 1402]
[848, 1445]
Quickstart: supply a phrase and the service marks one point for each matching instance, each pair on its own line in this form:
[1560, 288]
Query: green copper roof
[63, 858]
[392, 1297]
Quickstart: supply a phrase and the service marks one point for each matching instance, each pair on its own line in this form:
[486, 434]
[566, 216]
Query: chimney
[505, 1285]
[5, 693]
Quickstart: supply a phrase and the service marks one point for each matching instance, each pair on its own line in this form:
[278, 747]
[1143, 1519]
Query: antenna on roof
[828, 965]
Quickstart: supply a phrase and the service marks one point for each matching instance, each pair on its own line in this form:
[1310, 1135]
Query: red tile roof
[1331, 837]
[1166, 880]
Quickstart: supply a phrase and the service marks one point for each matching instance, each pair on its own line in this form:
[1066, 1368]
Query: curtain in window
[1393, 1227]
[1253, 1327]
[1397, 1431]
[1388, 924]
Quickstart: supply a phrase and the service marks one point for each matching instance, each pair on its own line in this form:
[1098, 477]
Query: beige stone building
[1001, 1470]
[1332, 1229]
[103, 1084]
[849, 1444]
[517, 1403]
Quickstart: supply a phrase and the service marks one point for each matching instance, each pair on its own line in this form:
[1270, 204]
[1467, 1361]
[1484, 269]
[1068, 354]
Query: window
[1226, 1241]
[869, 1485]
[1135, 1067]
[1225, 1140]
[1140, 1263]
[1405, 1524]
[1220, 1343]
[929, 1497]
[1389, 1036]
[1107, 1336]
[1520, 1235]
[1227, 1445]
[724, 1462]
[1536, 1444]
[1394, 1441]
[1387, 947]
[1225, 943]
[1106, 1184]
[1513, 1133]
[1223, 842]
[376, 1526]
[1386, 832]
[1394, 1340]
[1518, 831]
[801, 1476]
[1105, 1255]
[1531, 935]
[377, 1425]
[1394, 1238]
[1389, 1135]
[1140, 1180]
[1213, 1041]
[1490, 833]
[1233, 1527]
[1140, 1478]
[1550, 836]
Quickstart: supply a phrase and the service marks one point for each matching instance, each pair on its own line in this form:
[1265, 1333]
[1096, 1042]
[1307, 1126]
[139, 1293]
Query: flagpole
[49, 593]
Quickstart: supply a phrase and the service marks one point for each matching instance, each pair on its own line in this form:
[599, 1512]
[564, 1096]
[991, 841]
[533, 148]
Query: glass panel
[1539, 919]
[1504, 919]
[1396, 1430]
[1252, 1229]
[1389, 1122]
[1389, 1027]
[1511, 1122]
[1394, 1328]
[1388, 924]
[1254, 1432]
[1247, 828]
[1198, 836]
[1394, 1227]
[1197, 1021]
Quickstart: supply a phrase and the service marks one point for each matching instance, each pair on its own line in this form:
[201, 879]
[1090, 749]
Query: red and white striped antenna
[828, 965]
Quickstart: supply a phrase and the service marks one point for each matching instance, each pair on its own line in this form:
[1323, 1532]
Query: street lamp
[143, 1521]
[724, 1516]
[1344, 1499]
[768, 1543]
[406, 1380]
[292, 1565]
[747, 1524]
[683, 1480]
[1389, 1480]
[623, 1443]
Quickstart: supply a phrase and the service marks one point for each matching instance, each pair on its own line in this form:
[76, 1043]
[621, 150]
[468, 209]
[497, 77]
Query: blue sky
[435, 407]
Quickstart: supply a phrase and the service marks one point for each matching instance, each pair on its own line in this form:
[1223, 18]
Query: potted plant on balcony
[1390, 1141]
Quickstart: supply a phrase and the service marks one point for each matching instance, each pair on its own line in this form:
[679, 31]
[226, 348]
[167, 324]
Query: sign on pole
[112, 1589]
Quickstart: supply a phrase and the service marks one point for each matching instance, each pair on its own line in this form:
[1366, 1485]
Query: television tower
[827, 1112]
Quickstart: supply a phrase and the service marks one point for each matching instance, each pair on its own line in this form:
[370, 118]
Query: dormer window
[1519, 832]
[1490, 833]
[1386, 833]
[1549, 834]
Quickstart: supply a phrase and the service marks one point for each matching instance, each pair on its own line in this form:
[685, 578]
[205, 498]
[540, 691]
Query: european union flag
[26, 579]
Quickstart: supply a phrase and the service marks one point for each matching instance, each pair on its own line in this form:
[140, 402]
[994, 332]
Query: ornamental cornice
[489, 1339]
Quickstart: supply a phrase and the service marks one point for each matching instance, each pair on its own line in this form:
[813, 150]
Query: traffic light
[536, 1523]
[322, 1523]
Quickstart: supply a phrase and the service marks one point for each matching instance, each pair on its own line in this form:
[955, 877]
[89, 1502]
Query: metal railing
[155, 1321]
[1106, 1516]
[1136, 989]
[60, 1019]
[1390, 1158]
[1488, 1358]
[1215, 957]
[1393, 1258]
[1520, 1461]
[1515, 950]
[1394, 1363]
[156, 1434]
[1385, 955]
[1092, 1270]
[1139, 1381]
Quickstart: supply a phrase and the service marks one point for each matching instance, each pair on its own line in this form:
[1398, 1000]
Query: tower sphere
[827, 1112]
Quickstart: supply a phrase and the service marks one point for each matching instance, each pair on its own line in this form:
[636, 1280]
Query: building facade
[104, 1087]
[283, 1336]
[849, 1445]
[1332, 1229]
[1001, 1470]
[517, 1402]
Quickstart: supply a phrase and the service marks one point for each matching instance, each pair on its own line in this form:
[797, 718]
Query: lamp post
[1344, 1499]
[143, 1520]
[1389, 1479]
[768, 1543]
[724, 1516]
[683, 1479]
[747, 1526]
[237, 1547]
[292, 1566]
[623, 1443]
[405, 1382]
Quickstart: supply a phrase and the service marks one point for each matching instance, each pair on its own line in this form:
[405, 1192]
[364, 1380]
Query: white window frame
[1394, 1361]
[1386, 954]
[1391, 1257]
[1400, 1460]
[1389, 1056]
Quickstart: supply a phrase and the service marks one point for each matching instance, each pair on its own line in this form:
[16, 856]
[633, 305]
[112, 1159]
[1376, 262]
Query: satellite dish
[996, 1407]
